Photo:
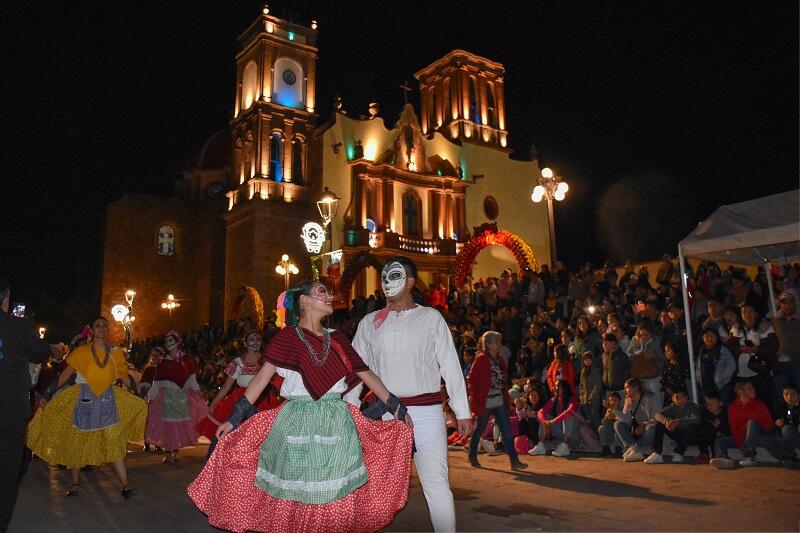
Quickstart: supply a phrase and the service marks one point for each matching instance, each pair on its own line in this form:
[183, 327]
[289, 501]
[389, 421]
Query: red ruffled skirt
[222, 411]
[174, 435]
[226, 492]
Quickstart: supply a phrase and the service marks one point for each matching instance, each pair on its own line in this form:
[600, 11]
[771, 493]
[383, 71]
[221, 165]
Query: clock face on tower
[289, 77]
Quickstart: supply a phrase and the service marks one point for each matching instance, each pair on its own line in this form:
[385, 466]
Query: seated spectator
[789, 418]
[529, 423]
[713, 425]
[647, 359]
[635, 425]
[677, 421]
[715, 366]
[608, 438]
[751, 425]
[674, 376]
[590, 390]
[787, 329]
[757, 345]
[557, 420]
[560, 368]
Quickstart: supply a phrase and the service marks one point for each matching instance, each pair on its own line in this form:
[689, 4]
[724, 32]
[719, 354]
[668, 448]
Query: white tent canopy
[756, 232]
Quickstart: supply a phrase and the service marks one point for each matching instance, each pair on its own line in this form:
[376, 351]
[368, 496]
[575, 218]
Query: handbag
[645, 366]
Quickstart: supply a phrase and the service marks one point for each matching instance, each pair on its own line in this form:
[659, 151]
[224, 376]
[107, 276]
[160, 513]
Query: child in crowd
[606, 428]
[590, 390]
[789, 418]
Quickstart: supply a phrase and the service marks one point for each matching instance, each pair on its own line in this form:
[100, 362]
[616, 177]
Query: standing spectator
[590, 390]
[789, 419]
[560, 369]
[587, 339]
[616, 365]
[488, 384]
[716, 318]
[666, 271]
[19, 346]
[715, 366]
[757, 346]
[635, 423]
[645, 353]
[787, 329]
[751, 425]
[536, 292]
[557, 420]
[678, 422]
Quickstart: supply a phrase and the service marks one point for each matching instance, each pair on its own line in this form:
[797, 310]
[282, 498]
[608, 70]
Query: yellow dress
[53, 435]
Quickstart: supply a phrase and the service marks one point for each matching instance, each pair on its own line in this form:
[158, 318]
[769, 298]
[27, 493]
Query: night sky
[654, 112]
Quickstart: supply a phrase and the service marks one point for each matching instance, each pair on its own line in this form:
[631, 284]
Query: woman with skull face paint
[315, 464]
[90, 422]
[175, 402]
[240, 372]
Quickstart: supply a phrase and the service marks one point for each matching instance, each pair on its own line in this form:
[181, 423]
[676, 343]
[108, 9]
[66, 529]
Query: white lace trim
[319, 439]
[309, 486]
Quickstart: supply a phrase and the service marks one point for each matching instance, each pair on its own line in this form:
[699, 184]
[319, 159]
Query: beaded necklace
[108, 356]
[318, 358]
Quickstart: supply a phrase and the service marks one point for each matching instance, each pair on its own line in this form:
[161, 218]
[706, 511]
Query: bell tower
[270, 193]
[463, 97]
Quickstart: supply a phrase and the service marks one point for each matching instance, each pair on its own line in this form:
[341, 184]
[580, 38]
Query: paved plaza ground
[583, 493]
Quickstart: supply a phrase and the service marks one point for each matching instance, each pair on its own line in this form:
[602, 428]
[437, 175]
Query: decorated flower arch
[485, 236]
[359, 262]
[248, 298]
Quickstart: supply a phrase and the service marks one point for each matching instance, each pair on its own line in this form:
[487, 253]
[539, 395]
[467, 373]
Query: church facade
[421, 187]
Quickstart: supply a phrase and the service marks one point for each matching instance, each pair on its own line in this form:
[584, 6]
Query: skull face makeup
[253, 341]
[320, 293]
[393, 279]
[170, 342]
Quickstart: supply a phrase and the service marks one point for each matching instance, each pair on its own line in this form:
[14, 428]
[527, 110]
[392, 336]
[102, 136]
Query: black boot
[606, 451]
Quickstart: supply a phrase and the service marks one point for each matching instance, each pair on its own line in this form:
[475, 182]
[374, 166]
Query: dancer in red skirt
[315, 463]
[240, 372]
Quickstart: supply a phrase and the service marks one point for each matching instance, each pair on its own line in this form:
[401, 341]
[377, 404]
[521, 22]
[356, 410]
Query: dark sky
[686, 104]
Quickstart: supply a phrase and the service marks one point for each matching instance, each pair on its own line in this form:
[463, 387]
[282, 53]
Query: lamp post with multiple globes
[550, 187]
[170, 304]
[286, 268]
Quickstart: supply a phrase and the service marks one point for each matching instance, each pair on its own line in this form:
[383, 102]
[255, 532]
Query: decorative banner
[313, 236]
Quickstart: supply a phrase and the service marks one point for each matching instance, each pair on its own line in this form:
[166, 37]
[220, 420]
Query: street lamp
[327, 205]
[286, 268]
[124, 315]
[41, 332]
[550, 187]
[170, 304]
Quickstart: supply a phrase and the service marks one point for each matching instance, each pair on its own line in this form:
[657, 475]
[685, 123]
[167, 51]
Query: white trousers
[430, 438]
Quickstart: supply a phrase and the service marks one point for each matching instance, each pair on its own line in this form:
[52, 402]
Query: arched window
[490, 112]
[249, 85]
[297, 161]
[288, 83]
[412, 215]
[473, 101]
[166, 241]
[276, 157]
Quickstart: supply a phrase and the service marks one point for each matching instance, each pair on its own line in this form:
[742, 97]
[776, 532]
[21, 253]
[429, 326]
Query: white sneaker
[539, 449]
[654, 459]
[627, 452]
[677, 458]
[747, 461]
[723, 463]
[634, 456]
[486, 446]
[562, 450]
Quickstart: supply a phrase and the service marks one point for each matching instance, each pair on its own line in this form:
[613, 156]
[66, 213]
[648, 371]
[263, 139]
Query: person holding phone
[19, 345]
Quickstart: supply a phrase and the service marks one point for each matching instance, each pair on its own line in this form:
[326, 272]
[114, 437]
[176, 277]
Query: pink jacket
[547, 408]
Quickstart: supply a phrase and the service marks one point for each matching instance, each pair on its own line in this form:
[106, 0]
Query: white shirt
[412, 351]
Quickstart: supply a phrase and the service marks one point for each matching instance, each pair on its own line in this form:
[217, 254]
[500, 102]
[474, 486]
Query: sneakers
[677, 458]
[539, 449]
[633, 455]
[654, 458]
[486, 446]
[747, 461]
[562, 450]
[722, 463]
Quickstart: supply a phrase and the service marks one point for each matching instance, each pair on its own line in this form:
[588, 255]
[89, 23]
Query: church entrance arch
[488, 235]
[248, 304]
[359, 262]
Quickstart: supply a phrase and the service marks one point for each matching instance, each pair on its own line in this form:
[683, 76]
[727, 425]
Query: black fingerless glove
[396, 407]
[241, 412]
[376, 410]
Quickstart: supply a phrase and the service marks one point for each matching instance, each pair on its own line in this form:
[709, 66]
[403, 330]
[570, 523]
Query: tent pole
[688, 316]
[771, 290]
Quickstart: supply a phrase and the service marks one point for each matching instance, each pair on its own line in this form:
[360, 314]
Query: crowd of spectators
[613, 344]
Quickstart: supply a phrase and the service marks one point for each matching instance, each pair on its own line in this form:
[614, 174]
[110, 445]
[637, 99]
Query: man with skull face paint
[410, 348]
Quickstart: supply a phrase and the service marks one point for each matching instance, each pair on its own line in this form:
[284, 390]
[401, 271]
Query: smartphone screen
[18, 310]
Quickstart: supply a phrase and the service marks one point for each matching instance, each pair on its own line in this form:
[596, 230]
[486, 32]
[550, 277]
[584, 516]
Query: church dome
[216, 152]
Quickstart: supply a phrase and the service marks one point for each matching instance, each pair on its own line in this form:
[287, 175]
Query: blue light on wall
[291, 36]
[350, 152]
[285, 97]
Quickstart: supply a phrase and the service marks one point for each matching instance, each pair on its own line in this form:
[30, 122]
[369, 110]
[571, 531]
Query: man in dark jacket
[19, 346]
[616, 365]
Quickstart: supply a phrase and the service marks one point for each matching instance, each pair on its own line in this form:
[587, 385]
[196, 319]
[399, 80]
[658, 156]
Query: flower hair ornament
[286, 310]
[280, 311]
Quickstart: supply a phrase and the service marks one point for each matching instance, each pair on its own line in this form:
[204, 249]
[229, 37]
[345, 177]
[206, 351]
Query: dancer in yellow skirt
[90, 422]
